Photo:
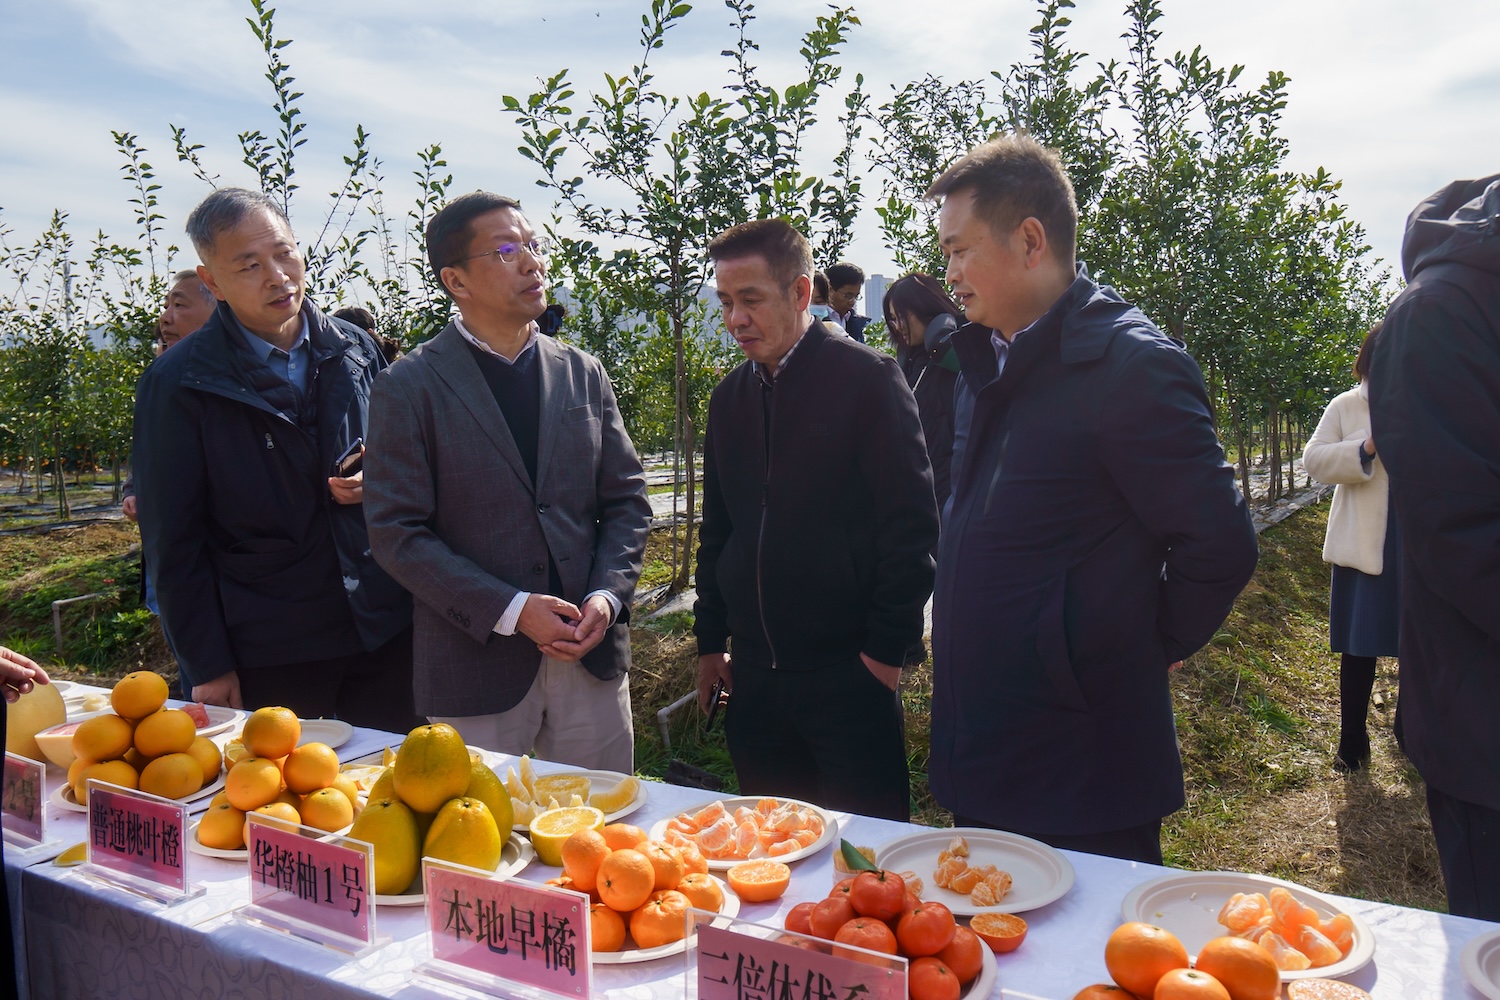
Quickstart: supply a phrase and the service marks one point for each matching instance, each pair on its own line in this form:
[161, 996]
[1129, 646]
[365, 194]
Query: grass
[1257, 713]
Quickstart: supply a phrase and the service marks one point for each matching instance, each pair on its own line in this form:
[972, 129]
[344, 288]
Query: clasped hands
[562, 630]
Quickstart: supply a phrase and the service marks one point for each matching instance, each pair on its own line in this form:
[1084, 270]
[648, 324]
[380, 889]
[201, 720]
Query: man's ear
[802, 292]
[207, 277]
[1034, 240]
[453, 281]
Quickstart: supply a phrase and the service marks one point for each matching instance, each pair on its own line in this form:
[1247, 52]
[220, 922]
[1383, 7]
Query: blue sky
[1393, 97]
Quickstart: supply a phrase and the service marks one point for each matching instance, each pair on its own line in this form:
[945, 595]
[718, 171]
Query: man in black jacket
[818, 521]
[1435, 414]
[257, 550]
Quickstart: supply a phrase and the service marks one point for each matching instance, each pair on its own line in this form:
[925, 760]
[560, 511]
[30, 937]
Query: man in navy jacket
[1096, 536]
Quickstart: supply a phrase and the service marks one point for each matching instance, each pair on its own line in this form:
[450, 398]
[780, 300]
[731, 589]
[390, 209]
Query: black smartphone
[715, 702]
[351, 461]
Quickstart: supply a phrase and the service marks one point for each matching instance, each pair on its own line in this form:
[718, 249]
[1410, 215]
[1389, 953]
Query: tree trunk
[1275, 492]
[684, 429]
[62, 479]
[1242, 447]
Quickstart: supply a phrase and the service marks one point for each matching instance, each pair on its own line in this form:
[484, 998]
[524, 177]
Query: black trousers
[835, 737]
[1133, 843]
[1468, 843]
[370, 689]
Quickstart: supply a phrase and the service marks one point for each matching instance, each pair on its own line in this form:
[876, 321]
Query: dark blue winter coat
[1096, 537]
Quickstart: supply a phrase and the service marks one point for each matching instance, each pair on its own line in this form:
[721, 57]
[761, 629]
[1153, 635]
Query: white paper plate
[630, 956]
[221, 719]
[514, 856]
[830, 831]
[62, 795]
[1481, 964]
[1188, 905]
[242, 854]
[607, 781]
[1039, 874]
[334, 732]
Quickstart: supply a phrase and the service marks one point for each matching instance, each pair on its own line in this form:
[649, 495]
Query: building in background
[874, 304]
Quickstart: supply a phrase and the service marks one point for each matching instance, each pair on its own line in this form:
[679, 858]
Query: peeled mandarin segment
[1320, 951]
[1243, 910]
[1288, 959]
[1340, 930]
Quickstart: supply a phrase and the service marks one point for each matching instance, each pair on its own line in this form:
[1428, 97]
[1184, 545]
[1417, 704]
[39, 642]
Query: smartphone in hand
[716, 701]
[351, 461]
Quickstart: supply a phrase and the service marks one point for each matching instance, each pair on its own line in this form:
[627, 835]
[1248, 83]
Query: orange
[693, 860]
[172, 776]
[252, 783]
[278, 810]
[930, 979]
[208, 757]
[623, 836]
[310, 767]
[1139, 954]
[759, 881]
[222, 828]
[271, 732]
[104, 737]
[702, 891]
[1004, 932]
[116, 772]
[1189, 984]
[868, 933]
[346, 784]
[625, 880]
[667, 861]
[164, 732]
[138, 694]
[964, 955]
[1324, 989]
[326, 809]
[234, 752]
[582, 854]
[607, 929]
[661, 920]
[1102, 991]
[1246, 969]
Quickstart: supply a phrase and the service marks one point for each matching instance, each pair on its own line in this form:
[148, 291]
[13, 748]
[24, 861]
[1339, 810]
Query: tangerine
[1004, 932]
[878, 894]
[104, 737]
[759, 881]
[310, 767]
[799, 918]
[164, 732]
[326, 809]
[1102, 991]
[868, 933]
[272, 732]
[623, 836]
[1138, 954]
[1246, 969]
[626, 880]
[172, 776]
[252, 783]
[964, 954]
[606, 929]
[1189, 984]
[829, 915]
[666, 861]
[138, 694]
[925, 930]
[929, 979]
[702, 891]
[582, 854]
[661, 920]
[1324, 989]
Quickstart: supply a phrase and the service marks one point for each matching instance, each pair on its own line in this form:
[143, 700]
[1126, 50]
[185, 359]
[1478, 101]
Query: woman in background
[919, 319]
[1364, 615]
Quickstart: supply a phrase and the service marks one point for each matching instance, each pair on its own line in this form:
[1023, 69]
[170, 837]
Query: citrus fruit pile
[532, 794]
[640, 889]
[435, 800]
[1149, 961]
[142, 744]
[772, 829]
[268, 773]
[876, 910]
[1294, 934]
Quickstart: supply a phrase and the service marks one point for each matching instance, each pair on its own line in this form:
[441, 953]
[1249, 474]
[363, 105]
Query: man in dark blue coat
[258, 550]
[1435, 414]
[1096, 536]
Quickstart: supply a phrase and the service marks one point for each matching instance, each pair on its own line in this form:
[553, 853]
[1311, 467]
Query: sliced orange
[759, 881]
[1001, 931]
[1324, 989]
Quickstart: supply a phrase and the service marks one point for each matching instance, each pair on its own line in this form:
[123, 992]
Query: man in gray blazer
[502, 490]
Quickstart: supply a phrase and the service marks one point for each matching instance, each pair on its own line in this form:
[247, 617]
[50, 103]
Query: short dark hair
[223, 210]
[776, 241]
[1014, 177]
[358, 315]
[451, 229]
[820, 286]
[192, 275]
[920, 295]
[844, 273]
[1366, 351]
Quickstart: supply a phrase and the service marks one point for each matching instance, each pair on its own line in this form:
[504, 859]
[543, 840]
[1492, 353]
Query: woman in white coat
[1365, 598]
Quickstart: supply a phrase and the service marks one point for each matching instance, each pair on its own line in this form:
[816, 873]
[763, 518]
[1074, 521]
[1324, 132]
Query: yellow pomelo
[139, 694]
[432, 767]
[464, 832]
[172, 776]
[385, 785]
[116, 772]
[164, 732]
[618, 797]
[75, 855]
[40, 708]
[327, 809]
[222, 828]
[486, 786]
[561, 787]
[208, 757]
[390, 826]
[104, 737]
[551, 828]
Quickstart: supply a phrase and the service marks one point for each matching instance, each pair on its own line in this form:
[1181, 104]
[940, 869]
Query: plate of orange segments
[747, 828]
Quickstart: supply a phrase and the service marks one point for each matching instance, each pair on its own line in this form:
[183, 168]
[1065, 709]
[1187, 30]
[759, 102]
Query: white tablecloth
[85, 940]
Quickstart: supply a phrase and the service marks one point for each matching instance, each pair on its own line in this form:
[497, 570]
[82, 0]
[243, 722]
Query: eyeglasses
[508, 252]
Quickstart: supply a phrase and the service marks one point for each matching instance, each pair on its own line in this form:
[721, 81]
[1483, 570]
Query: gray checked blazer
[455, 518]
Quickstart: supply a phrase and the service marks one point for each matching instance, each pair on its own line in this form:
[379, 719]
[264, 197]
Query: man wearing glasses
[502, 490]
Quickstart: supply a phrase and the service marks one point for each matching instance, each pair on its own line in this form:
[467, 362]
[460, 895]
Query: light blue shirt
[291, 366]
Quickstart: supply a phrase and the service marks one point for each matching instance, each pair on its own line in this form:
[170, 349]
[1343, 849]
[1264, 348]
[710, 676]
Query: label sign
[509, 930]
[137, 835]
[296, 874]
[735, 966]
[23, 798]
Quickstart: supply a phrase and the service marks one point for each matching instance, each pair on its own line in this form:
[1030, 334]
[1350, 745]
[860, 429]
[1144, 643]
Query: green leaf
[856, 861]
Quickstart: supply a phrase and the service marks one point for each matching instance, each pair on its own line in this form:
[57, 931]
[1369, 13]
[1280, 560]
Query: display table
[86, 940]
